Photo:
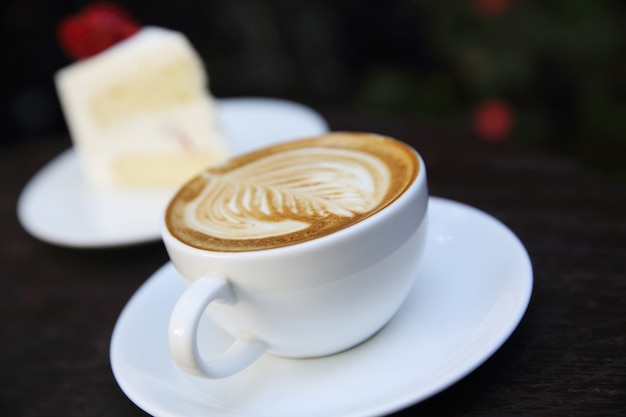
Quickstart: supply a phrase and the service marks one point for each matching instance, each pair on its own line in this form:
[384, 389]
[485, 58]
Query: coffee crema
[291, 192]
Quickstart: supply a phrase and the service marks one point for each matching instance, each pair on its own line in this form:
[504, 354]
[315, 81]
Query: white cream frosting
[140, 113]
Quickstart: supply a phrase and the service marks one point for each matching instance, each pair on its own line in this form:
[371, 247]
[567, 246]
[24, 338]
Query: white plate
[471, 292]
[57, 207]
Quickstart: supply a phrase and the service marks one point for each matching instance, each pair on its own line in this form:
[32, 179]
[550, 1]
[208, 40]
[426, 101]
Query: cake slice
[140, 113]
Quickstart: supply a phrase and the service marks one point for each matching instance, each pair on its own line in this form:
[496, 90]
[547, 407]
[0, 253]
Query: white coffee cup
[310, 299]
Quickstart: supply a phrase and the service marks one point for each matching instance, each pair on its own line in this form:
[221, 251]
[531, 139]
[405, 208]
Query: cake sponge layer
[140, 113]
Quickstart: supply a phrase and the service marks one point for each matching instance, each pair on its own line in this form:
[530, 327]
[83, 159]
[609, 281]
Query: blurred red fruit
[94, 29]
[493, 120]
[488, 8]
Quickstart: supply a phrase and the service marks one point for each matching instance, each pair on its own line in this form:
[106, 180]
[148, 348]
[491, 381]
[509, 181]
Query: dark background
[416, 70]
[559, 67]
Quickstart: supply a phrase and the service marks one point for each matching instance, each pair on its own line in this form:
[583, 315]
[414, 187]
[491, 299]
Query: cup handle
[183, 332]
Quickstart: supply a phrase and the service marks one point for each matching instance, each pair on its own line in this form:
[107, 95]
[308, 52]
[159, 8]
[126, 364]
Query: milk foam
[287, 192]
[291, 192]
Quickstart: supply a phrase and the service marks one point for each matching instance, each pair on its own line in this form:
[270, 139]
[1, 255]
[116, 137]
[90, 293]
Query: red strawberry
[94, 29]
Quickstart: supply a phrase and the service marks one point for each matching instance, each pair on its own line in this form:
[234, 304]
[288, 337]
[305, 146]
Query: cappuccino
[291, 192]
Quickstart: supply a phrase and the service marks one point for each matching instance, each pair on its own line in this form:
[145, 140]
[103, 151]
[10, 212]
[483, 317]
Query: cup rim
[418, 183]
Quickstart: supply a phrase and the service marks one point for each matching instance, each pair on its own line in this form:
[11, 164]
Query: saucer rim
[390, 405]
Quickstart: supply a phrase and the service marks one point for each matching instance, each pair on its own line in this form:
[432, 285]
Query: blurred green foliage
[559, 64]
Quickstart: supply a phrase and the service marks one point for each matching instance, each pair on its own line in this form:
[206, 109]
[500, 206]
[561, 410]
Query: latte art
[291, 192]
[287, 192]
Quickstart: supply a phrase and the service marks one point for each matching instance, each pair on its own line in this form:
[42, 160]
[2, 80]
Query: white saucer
[471, 292]
[56, 206]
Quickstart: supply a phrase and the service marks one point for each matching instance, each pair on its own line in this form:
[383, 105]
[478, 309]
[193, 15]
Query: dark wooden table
[567, 357]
